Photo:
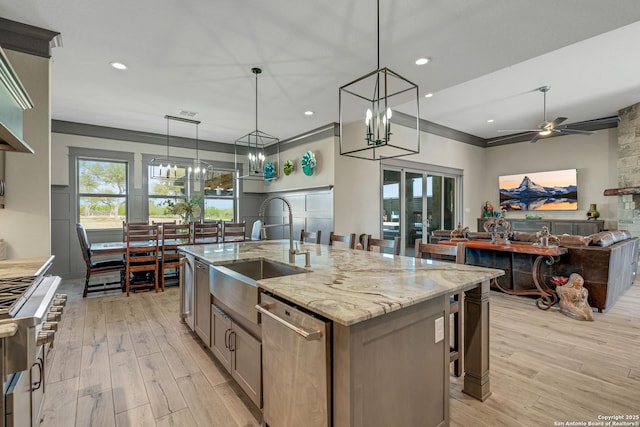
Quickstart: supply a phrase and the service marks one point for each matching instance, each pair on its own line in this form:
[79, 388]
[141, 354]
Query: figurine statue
[499, 229]
[544, 238]
[573, 299]
[487, 210]
[459, 233]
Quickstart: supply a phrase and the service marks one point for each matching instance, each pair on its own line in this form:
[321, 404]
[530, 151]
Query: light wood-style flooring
[122, 361]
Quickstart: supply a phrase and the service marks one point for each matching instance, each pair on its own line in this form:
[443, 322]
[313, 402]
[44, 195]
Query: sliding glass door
[416, 202]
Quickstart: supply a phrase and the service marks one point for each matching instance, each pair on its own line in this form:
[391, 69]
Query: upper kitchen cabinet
[13, 101]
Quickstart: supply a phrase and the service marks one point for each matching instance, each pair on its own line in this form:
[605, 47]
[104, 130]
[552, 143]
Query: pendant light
[371, 106]
[251, 150]
[177, 168]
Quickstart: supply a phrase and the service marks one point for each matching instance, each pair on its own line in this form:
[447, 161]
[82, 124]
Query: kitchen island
[389, 334]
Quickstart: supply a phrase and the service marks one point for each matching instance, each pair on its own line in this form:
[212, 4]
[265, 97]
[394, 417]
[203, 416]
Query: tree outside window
[102, 193]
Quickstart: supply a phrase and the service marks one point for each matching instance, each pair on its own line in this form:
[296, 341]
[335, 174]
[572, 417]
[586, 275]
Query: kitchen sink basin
[233, 285]
[261, 268]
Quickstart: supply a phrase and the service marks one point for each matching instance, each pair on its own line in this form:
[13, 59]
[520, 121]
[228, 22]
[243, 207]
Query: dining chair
[313, 235]
[349, 240]
[382, 244]
[173, 235]
[456, 254]
[99, 267]
[142, 258]
[206, 232]
[234, 231]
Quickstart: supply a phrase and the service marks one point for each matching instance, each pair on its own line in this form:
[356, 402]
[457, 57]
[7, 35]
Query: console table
[581, 227]
[510, 258]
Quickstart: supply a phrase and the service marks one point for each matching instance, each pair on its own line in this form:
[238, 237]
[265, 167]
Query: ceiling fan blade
[568, 131]
[556, 122]
[518, 130]
[535, 138]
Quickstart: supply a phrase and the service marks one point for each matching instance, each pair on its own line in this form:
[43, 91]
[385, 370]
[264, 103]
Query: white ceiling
[487, 57]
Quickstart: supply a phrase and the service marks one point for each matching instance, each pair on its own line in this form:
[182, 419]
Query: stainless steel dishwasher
[296, 366]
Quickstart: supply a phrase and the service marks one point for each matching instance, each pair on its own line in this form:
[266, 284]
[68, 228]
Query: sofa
[608, 262]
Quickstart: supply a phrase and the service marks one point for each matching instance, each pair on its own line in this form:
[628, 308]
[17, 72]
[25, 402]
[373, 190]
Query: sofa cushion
[519, 236]
[478, 235]
[574, 240]
[608, 238]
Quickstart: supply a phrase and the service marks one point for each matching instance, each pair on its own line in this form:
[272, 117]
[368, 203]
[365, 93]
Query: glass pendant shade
[379, 114]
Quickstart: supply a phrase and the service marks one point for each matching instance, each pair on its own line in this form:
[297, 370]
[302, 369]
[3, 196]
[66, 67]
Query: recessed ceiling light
[490, 121]
[429, 95]
[118, 66]
[422, 61]
[308, 113]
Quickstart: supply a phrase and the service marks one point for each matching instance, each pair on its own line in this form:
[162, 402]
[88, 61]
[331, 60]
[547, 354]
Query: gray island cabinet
[377, 324]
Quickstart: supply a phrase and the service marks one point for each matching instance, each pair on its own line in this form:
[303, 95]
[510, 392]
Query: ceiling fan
[546, 127]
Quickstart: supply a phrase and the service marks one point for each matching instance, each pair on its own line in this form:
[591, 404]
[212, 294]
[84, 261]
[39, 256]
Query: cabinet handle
[227, 342]
[232, 334]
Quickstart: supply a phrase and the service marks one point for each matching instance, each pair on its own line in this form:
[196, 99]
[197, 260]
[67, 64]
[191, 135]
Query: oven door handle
[36, 385]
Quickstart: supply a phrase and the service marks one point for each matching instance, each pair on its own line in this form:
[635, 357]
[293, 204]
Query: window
[218, 196]
[162, 193]
[102, 193]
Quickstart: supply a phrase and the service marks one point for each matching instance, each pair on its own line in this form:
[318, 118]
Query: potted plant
[187, 210]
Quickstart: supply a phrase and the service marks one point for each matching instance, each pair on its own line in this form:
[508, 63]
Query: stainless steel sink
[233, 285]
[261, 268]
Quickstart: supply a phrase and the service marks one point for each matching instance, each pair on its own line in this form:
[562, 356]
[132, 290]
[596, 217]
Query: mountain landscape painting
[540, 191]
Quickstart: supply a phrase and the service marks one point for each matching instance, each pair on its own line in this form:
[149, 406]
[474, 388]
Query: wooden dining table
[548, 254]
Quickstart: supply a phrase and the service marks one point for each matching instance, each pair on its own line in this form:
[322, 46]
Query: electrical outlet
[439, 324]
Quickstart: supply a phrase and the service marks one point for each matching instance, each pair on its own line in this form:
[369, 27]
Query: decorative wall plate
[308, 163]
[269, 172]
[289, 167]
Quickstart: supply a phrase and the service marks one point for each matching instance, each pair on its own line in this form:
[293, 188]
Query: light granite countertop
[349, 286]
[23, 267]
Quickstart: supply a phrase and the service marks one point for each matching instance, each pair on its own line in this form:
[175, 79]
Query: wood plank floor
[122, 361]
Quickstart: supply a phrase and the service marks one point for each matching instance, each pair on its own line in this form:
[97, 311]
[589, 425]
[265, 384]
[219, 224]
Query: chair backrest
[441, 252]
[206, 232]
[350, 239]
[313, 235]
[381, 244]
[84, 244]
[142, 245]
[135, 227]
[174, 235]
[234, 231]
[162, 223]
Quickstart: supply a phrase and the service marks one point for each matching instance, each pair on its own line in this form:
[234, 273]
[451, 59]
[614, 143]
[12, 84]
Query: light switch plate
[439, 324]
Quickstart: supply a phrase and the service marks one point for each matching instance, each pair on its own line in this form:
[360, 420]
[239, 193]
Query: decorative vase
[593, 213]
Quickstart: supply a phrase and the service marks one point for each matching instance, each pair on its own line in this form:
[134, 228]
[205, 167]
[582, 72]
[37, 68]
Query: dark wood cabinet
[582, 227]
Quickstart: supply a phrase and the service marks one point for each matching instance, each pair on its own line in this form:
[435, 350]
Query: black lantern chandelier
[374, 97]
[250, 150]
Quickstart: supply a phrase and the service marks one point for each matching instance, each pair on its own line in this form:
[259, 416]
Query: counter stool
[456, 254]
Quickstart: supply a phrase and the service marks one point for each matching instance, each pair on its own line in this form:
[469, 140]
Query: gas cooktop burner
[12, 291]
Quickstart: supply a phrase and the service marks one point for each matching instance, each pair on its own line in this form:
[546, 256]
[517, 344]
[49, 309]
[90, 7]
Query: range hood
[14, 99]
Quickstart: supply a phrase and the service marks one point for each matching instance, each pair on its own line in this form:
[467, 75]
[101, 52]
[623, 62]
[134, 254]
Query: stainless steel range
[29, 311]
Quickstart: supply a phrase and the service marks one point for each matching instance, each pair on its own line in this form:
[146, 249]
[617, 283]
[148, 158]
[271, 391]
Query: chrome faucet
[292, 251]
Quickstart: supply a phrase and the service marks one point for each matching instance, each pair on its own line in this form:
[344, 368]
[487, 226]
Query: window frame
[79, 195]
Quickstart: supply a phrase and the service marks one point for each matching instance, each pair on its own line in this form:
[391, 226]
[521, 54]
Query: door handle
[307, 335]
